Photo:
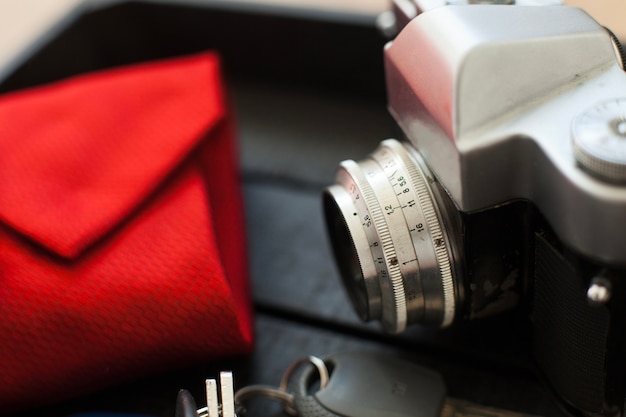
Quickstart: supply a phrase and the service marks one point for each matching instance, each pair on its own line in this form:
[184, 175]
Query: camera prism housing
[508, 191]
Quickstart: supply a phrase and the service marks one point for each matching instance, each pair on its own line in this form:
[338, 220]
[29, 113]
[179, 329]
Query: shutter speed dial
[599, 140]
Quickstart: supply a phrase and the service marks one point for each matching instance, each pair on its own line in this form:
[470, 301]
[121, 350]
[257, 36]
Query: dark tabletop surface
[307, 94]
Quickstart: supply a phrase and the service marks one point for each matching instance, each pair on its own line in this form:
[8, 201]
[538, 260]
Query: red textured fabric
[122, 246]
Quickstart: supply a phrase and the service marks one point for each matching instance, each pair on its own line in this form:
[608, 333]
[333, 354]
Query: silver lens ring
[351, 241]
[389, 277]
[439, 278]
[396, 235]
[393, 207]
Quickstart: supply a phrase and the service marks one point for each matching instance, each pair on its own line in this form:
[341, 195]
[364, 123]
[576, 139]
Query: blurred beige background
[25, 25]
[610, 13]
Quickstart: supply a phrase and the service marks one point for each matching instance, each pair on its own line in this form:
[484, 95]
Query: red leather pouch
[122, 246]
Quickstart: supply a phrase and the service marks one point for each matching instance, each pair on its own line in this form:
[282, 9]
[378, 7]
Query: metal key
[360, 385]
[227, 406]
[374, 385]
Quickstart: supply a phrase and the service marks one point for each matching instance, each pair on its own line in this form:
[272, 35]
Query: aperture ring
[403, 218]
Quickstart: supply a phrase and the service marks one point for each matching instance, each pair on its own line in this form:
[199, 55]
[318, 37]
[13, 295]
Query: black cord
[282, 180]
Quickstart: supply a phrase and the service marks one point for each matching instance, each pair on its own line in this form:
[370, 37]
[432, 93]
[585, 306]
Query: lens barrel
[385, 220]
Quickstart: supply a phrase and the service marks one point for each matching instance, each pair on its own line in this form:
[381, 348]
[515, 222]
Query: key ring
[263, 391]
[281, 394]
[322, 369]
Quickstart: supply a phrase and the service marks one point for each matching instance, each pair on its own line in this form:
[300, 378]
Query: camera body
[508, 192]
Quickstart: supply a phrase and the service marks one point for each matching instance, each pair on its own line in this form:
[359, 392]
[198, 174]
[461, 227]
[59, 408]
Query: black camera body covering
[508, 191]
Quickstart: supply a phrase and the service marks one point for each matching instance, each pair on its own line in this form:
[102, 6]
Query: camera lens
[390, 242]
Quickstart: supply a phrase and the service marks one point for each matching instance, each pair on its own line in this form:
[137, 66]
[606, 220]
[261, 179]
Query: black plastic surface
[366, 384]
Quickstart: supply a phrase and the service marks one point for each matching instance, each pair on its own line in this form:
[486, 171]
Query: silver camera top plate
[488, 94]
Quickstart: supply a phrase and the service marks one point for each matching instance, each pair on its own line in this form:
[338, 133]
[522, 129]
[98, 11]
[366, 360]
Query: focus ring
[394, 315]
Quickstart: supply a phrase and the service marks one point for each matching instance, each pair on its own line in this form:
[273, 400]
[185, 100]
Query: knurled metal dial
[599, 140]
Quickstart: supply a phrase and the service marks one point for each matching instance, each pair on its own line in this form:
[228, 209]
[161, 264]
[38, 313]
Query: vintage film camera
[509, 191]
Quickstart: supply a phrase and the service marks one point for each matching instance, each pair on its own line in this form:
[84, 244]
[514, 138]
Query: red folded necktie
[121, 235]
